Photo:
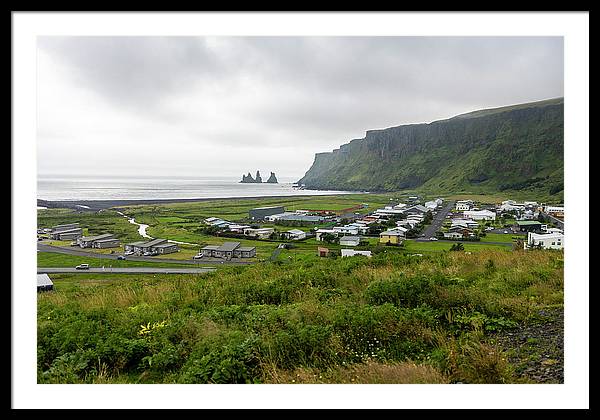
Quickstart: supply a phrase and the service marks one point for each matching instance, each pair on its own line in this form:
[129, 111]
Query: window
[553, 243]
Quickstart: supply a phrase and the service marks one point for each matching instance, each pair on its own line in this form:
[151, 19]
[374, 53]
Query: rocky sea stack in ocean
[247, 179]
[272, 179]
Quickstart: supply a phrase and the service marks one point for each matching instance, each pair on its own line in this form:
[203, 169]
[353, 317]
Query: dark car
[121, 257]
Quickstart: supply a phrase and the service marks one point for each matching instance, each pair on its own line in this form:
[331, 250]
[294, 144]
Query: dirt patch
[536, 350]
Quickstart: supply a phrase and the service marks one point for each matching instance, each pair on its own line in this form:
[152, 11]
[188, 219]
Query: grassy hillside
[516, 148]
[389, 319]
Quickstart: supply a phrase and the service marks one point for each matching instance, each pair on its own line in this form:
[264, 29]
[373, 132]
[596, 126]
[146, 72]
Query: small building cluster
[106, 240]
[73, 232]
[228, 250]
[66, 232]
[148, 248]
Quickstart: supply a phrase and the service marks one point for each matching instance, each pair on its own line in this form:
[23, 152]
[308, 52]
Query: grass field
[439, 246]
[391, 318]
[51, 259]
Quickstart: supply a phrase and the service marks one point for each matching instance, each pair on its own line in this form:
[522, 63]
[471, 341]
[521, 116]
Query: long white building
[480, 214]
[545, 241]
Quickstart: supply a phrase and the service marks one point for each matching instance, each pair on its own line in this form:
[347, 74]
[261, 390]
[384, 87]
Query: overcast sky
[222, 106]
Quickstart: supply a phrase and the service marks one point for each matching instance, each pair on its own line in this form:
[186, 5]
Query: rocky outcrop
[272, 179]
[247, 179]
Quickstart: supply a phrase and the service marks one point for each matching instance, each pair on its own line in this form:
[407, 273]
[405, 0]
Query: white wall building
[462, 205]
[352, 252]
[545, 241]
[320, 232]
[480, 214]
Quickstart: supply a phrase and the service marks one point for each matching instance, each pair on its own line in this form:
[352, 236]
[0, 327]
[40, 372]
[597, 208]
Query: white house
[480, 214]
[390, 211]
[462, 205]
[464, 222]
[346, 230]
[545, 241]
[432, 205]
[295, 234]
[262, 233]
[352, 252]
[453, 235]
[238, 228]
[349, 240]
[320, 232]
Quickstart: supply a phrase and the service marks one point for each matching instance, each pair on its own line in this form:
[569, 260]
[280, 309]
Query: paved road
[81, 253]
[126, 270]
[558, 222]
[437, 222]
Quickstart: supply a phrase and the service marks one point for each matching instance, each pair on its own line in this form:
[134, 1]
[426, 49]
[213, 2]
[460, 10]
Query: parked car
[196, 257]
[82, 267]
[121, 257]
[506, 231]
[433, 239]
[128, 253]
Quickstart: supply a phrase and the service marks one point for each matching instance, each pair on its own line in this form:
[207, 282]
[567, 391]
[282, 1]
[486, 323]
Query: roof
[350, 238]
[65, 225]
[138, 243]
[392, 232]
[44, 280]
[153, 242]
[228, 246]
[246, 248]
[108, 240]
[211, 247]
[528, 222]
[72, 230]
[165, 245]
[97, 237]
[296, 231]
[267, 207]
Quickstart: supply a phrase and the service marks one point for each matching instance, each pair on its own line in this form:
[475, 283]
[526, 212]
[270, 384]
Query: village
[348, 232]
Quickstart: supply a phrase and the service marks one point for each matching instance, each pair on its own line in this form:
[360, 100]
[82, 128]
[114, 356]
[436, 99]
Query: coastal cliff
[517, 147]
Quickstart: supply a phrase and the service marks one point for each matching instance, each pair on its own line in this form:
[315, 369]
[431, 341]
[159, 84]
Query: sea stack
[272, 179]
[258, 179]
[247, 179]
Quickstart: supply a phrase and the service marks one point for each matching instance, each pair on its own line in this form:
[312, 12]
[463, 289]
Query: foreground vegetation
[393, 318]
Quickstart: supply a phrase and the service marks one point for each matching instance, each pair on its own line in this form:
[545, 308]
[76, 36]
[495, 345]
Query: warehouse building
[260, 213]
[89, 241]
[153, 247]
[66, 232]
[229, 250]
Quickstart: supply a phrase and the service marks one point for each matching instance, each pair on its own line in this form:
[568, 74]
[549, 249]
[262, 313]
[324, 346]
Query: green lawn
[51, 259]
[501, 237]
[438, 246]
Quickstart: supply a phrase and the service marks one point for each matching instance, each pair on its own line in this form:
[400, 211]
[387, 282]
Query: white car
[506, 231]
[82, 267]
[433, 239]
[197, 257]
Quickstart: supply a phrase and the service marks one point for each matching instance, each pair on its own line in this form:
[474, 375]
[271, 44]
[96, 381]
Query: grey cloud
[313, 92]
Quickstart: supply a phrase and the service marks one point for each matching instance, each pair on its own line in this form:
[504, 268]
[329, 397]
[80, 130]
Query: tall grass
[391, 318]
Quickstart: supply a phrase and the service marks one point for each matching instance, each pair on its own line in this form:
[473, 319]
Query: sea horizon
[88, 187]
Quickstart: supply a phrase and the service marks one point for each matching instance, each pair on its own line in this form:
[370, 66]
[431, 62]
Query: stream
[142, 230]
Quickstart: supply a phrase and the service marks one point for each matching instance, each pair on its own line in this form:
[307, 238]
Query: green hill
[512, 148]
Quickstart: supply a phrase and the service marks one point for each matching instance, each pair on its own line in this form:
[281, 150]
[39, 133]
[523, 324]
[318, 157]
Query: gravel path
[536, 350]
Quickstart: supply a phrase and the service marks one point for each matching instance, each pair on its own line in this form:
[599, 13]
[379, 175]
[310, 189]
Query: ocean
[67, 188]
